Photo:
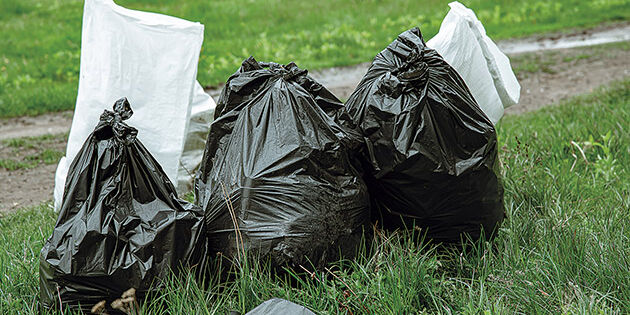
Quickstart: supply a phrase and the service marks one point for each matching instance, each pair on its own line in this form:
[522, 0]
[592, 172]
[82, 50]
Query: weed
[12, 165]
[29, 152]
[604, 165]
[577, 57]
[16, 142]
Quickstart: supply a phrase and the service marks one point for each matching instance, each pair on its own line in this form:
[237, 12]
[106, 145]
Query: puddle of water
[570, 41]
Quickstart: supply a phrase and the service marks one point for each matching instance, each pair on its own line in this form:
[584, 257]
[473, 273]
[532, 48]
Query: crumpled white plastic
[463, 43]
[152, 60]
[201, 116]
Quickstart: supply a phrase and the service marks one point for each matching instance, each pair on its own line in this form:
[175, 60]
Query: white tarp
[463, 43]
[152, 60]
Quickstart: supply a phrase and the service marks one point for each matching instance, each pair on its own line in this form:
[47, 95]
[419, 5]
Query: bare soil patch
[33, 126]
[27, 169]
[546, 77]
[549, 77]
[26, 187]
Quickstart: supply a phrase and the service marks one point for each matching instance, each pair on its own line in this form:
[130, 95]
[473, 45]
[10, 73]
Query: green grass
[34, 142]
[529, 63]
[565, 247]
[29, 152]
[23, 235]
[553, 61]
[13, 164]
[40, 42]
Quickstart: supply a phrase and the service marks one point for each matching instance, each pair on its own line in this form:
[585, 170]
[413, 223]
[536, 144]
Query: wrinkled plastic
[121, 225]
[278, 153]
[463, 43]
[431, 153]
[278, 306]
[152, 59]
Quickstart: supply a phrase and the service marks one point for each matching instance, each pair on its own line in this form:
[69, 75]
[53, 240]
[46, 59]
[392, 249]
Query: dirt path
[26, 187]
[53, 123]
[558, 75]
[546, 78]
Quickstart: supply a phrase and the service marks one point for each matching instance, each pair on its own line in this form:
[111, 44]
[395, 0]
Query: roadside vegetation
[40, 42]
[29, 152]
[564, 247]
[552, 61]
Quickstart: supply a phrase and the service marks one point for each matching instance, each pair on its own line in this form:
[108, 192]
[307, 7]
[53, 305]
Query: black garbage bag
[431, 153]
[120, 225]
[277, 165]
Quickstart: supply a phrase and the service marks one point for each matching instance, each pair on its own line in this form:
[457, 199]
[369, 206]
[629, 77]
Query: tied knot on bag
[114, 119]
[300, 76]
[413, 68]
[293, 72]
[289, 72]
[408, 77]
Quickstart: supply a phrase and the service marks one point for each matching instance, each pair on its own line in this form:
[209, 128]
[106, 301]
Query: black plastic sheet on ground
[277, 165]
[431, 153]
[120, 226]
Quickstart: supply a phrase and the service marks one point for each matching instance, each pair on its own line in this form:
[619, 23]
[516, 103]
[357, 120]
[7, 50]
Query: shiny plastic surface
[278, 306]
[120, 225]
[431, 152]
[279, 155]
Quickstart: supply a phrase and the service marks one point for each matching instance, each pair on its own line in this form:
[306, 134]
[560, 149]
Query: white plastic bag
[463, 43]
[201, 116]
[152, 60]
